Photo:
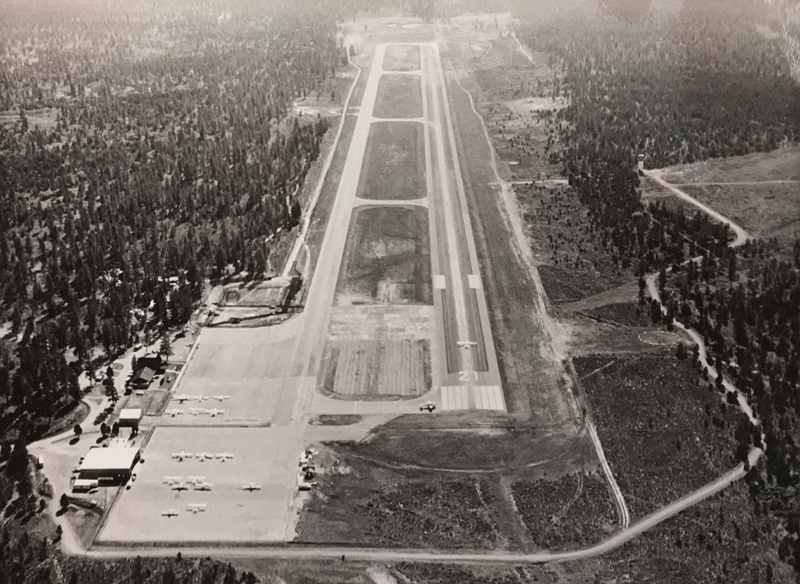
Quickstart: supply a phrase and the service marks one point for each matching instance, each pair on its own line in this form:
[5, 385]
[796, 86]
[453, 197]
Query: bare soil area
[399, 96]
[394, 164]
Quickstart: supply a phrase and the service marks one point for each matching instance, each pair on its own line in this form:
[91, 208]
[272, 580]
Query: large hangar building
[110, 464]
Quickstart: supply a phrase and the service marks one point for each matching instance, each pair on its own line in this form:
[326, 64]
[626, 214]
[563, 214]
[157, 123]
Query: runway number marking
[464, 375]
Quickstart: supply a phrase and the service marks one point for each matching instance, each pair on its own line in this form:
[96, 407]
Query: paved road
[299, 552]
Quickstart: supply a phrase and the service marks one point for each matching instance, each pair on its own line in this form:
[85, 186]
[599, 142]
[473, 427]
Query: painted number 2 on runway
[464, 375]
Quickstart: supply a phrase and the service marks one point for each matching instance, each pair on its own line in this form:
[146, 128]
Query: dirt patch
[663, 431]
[394, 164]
[401, 58]
[367, 369]
[386, 258]
[399, 96]
[268, 293]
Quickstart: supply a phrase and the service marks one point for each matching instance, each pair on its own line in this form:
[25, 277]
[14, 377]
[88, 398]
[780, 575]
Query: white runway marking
[484, 397]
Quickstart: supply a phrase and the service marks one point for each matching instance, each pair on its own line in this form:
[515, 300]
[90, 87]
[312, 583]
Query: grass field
[764, 210]
[386, 258]
[394, 164]
[401, 58]
[375, 369]
[399, 96]
[663, 432]
[487, 449]
[782, 164]
[573, 511]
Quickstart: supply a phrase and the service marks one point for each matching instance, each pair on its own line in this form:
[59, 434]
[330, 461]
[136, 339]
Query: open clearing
[782, 164]
[394, 165]
[764, 210]
[264, 456]
[399, 96]
[386, 258]
[401, 58]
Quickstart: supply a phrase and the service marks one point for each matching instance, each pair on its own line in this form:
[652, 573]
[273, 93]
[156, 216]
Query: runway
[263, 382]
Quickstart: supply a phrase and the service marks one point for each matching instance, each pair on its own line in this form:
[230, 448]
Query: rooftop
[111, 458]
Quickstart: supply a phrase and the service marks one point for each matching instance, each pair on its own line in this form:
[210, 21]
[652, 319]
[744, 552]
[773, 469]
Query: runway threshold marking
[484, 397]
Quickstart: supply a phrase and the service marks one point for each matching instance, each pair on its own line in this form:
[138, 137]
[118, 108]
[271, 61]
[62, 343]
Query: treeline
[704, 83]
[29, 559]
[164, 153]
[746, 308]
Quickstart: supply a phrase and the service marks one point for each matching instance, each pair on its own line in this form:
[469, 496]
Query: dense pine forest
[144, 149]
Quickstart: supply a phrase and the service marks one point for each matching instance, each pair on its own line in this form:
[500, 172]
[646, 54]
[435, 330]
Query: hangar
[109, 464]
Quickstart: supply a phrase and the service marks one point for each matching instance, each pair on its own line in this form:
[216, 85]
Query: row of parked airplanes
[201, 456]
[200, 484]
[182, 397]
[193, 507]
[214, 412]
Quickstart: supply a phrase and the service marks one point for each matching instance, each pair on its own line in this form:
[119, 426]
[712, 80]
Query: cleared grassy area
[781, 164]
[487, 449]
[764, 210]
[399, 96]
[401, 58]
[383, 369]
[359, 502]
[663, 431]
[386, 258]
[394, 165]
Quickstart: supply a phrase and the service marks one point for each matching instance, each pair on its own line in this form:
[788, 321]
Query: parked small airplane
[198, 411]
[170, 513]
[466, 344]
[172, 480]
[195, 479]
[196, 507]
[173, 412]
[251, 487]
[181, 455]
[179, 487]
[182, 397]
[205, 456]
[223, 456]
[221, 397]
[429, 405]
[202, 486]
[215, 412]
